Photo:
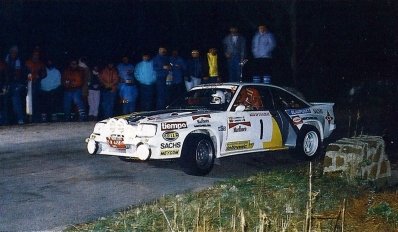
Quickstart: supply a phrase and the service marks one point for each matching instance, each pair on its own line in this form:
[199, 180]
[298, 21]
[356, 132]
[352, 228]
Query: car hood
[163, 115]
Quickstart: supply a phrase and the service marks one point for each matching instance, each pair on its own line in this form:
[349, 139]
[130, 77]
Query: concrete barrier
[362, 156]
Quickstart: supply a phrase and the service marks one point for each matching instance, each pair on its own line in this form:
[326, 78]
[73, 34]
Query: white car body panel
[232, 132]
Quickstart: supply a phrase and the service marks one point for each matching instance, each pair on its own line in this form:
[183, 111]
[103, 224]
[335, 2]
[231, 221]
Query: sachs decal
[170, 136]
[222, 128]
[173, 126]
[170, 145]
[239, 145]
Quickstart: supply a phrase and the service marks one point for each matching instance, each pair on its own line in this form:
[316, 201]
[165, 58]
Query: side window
[284, 100]
[251, 98]
[266, 97]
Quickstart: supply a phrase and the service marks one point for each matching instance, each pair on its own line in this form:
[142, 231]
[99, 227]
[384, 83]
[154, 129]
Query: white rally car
[214, 121]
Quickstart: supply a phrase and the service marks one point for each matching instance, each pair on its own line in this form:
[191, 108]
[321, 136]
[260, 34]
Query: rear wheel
[197, 156]
[308, 143]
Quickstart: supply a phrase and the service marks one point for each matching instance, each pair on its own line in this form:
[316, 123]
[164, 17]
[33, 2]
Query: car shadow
[240, 165]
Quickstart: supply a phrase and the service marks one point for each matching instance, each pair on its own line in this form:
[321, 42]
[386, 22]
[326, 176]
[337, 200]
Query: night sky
[335, 39]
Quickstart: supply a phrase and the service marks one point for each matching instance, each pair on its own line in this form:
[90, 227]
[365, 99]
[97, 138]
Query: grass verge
[269, 201]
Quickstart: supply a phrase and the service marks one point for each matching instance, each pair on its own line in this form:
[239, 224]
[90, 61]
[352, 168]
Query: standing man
[17, 83]
[235, 52]
[36, 71]
[195, 70]
[146, 77]
[72, 81]
[212, 68]
[127, 87]
[87, 73]
[50, 92]
[263, 44]
[94, 94]
[161, 65]
[178, 70]
[109, 81]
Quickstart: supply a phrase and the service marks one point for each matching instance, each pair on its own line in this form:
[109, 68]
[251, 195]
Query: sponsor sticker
[173, 126]
[222, 128]
[259, 114]
[308, 118]
[202, 120]
[201, 116]
[236, 119]
[169, 152]
[240, 129]
[116, 141]
[202, 125]
[329, 118]
[170, 145]
[170, 136]
[297, 120]
[234, 124]
[239, 145]
[298, 111]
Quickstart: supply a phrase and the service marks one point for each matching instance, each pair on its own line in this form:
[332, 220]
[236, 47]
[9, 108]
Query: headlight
[98, 128]
[146, 130]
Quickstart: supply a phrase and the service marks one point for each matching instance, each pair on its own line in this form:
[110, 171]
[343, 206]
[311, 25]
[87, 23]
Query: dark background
[337, 42]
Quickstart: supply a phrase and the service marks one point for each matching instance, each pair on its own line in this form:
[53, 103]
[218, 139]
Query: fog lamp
[92, 147]
[143, 151]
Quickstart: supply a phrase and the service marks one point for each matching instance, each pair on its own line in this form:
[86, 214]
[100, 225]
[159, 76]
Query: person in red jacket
[109, 80]
[72, 81]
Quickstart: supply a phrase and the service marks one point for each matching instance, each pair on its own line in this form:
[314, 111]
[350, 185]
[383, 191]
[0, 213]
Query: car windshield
[206, 98]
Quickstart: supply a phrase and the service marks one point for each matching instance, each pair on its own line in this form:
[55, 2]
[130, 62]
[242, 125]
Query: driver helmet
[218, 98]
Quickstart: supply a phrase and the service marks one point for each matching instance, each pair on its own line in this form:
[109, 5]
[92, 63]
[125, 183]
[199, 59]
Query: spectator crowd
[37, 91]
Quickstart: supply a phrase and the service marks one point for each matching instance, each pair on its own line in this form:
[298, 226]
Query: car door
[288, 112]
[254, 127]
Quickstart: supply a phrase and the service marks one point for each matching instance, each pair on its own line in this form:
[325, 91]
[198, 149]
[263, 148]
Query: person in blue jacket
[178, 70]
[235, 52]
[127, 86]
[146, 77]
[162, 67]
[263, 44]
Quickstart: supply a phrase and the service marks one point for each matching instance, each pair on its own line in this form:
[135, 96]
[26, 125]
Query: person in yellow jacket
[212, 68]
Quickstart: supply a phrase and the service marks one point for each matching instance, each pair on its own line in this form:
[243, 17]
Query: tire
[308, 144]
[197, 155]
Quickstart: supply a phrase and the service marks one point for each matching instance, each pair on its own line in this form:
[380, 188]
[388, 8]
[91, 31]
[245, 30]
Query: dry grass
[270, 201]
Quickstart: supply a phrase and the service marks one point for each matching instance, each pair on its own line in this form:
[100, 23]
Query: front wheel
[197, 155]
[308, 143]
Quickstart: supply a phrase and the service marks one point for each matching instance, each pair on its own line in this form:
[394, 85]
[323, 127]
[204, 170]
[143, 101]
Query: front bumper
[139, 150]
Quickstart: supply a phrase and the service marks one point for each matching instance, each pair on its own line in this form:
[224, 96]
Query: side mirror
[240, 108]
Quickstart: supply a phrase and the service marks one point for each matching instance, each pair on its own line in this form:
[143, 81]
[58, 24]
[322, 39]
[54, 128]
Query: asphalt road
[48, 181]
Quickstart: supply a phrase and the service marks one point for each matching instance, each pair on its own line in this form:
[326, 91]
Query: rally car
[214, 121]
